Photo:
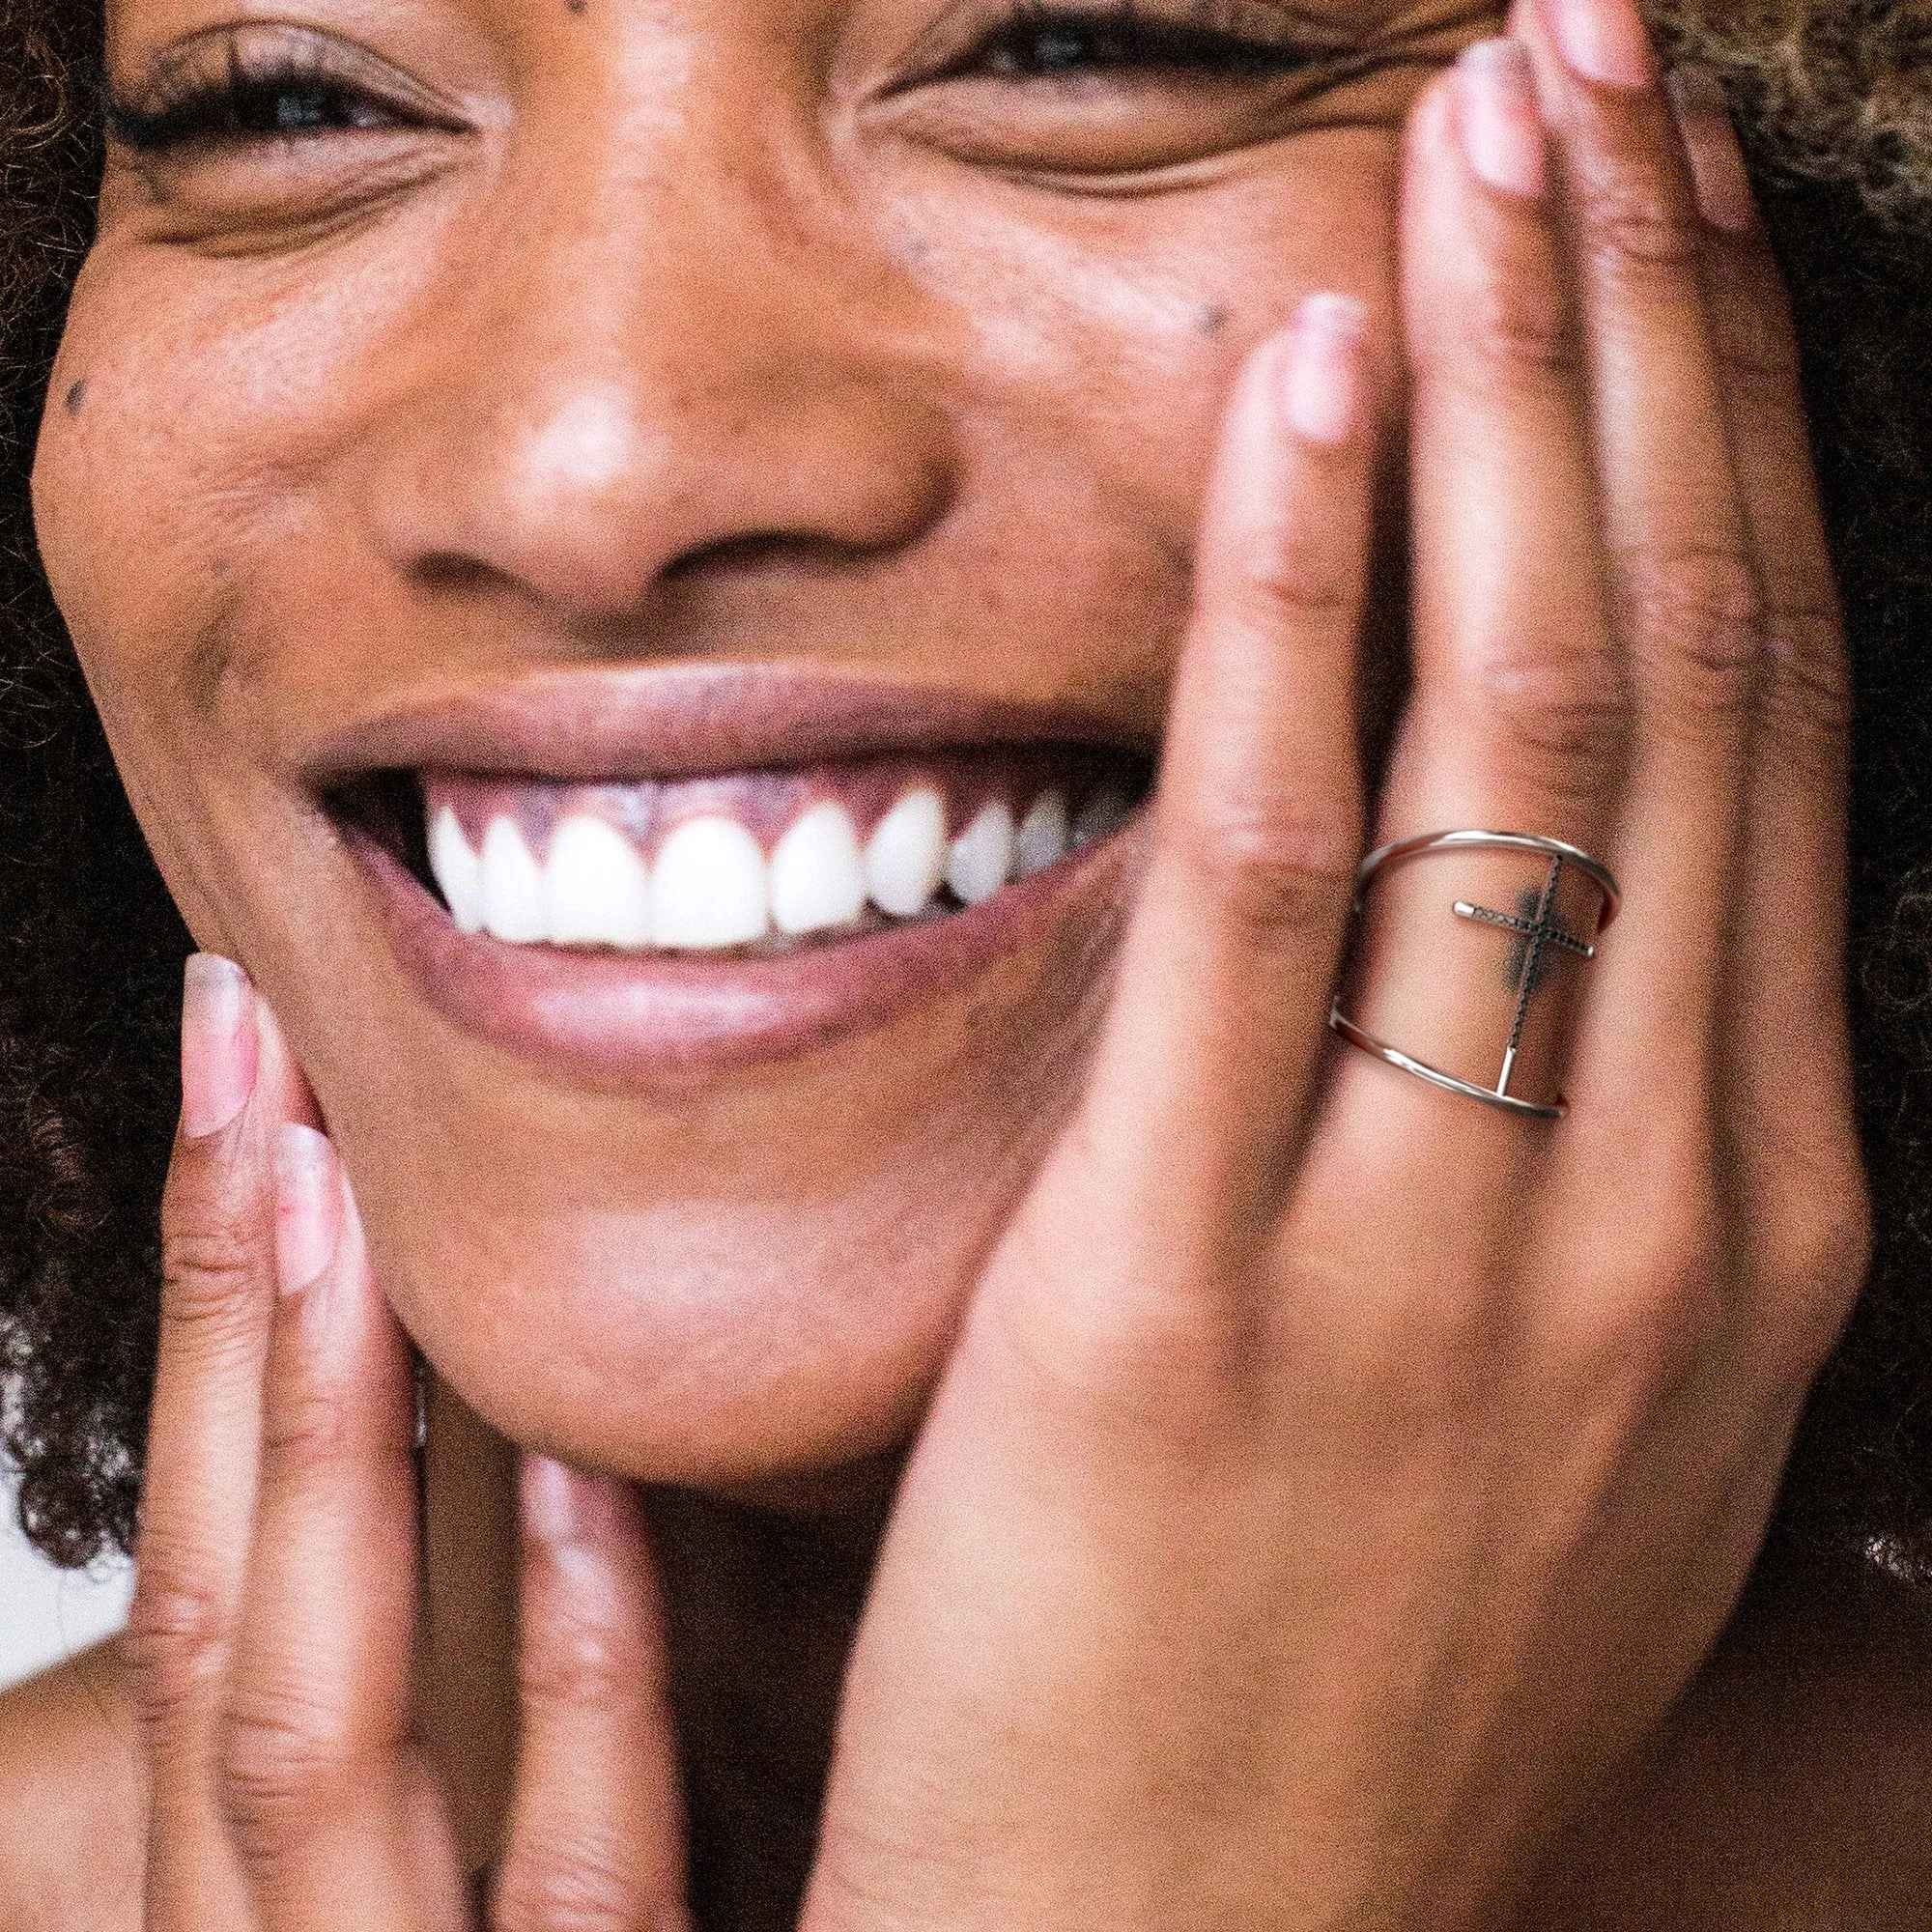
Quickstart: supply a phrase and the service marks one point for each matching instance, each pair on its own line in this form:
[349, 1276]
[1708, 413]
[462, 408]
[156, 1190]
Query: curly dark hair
[1840, 133]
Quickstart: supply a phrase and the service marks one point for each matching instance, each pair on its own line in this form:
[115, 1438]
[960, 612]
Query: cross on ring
[1538, 938]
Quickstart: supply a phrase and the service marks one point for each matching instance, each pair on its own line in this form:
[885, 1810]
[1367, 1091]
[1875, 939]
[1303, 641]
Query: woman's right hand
[271, 1640]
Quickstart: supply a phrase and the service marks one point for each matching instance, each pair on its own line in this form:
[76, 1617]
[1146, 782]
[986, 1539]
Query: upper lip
[666, 722]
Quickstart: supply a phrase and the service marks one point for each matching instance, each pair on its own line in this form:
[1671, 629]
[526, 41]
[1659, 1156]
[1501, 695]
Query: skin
[1243, 1362]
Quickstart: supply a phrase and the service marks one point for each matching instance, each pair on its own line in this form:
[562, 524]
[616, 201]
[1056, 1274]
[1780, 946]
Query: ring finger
[1518, 720]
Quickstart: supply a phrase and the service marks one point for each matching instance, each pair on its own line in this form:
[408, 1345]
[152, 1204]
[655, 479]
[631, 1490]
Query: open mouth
[750, 863]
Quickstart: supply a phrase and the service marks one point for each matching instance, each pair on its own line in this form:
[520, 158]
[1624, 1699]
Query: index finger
[204, 1431]
[1219, 1019]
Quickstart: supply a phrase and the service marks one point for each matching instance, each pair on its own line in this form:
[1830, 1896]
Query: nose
[661, 351]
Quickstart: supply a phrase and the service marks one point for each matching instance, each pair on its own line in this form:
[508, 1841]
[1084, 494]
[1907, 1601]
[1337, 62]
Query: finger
[334, 1817]
[1518, 720]
[1686, 597]
[218, 1289]
[1217, 1023]
[596, 1832]
[1802, 1179]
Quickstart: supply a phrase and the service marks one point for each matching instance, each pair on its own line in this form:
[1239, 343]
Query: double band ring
[1537, 941]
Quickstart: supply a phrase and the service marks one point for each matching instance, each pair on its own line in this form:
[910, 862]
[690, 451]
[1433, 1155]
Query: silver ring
[1538, 936]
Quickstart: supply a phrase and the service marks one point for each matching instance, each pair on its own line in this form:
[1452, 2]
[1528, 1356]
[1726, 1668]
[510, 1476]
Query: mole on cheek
[576, 5]
[76, 396]
[1212, 318]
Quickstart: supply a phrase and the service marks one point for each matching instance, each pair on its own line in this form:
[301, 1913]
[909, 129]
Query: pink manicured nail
[1319, 375]
[1501, 126]
[219, 1044]
[552, 1500]
[1602, 41]
[1718, 172]
[308, 1206]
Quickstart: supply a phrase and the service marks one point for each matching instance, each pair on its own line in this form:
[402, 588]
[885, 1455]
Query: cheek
[166, 494]
[1105, 331]
[213, 393]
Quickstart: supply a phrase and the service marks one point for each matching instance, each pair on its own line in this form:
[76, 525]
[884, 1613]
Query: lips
[683, 921]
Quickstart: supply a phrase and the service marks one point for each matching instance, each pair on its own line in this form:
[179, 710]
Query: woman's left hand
[1332, 1475]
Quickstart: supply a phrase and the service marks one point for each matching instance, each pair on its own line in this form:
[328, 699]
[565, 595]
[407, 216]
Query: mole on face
[1212, 318]
[76, 396]
[576, 5]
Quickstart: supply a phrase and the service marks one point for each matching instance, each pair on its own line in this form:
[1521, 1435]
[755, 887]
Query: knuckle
[1567, 723]
[1757, 360]
[175, 1646]
[1650, 1324]
[1277, 872]
[1806, 699]
[1698, 624]
[577, 1665]
[569, 1884]
[1520, 331]
[311, 1425]
[1278, 582]
[209, 1271]
[1635, 226]
[1816, 1266]
[1154, 1358]
[283, 1763]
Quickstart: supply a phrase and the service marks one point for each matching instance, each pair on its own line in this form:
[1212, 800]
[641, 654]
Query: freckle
[76, 396]
[576, 5]
[1212, 318]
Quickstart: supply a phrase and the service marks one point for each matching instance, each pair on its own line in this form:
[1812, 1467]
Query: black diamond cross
[1534, 929]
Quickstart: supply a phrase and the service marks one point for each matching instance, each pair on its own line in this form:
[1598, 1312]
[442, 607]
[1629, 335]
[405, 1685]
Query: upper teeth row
[711, 884]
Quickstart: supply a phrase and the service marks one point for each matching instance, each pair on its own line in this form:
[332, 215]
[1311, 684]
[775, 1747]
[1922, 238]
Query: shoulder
[72, 1801]
[1791, 1789]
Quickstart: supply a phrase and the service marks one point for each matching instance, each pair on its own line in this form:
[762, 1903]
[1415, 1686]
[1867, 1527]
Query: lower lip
[647, 1019]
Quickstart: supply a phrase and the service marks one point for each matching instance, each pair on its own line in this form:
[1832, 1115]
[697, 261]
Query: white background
[46, 1613]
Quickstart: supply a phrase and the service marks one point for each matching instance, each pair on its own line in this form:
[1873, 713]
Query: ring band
[1537, 934]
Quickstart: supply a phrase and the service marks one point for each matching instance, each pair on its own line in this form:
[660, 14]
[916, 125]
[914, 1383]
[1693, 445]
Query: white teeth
[905, 856]
[595, 885]
[708, 888]
[819, 878]
[983, 855]
[711, 884]
[1041, 840]
[1104, 813]
[458, 871]
[513, 906]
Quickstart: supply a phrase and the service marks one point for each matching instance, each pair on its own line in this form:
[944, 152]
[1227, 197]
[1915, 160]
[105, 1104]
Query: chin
[687, 1085]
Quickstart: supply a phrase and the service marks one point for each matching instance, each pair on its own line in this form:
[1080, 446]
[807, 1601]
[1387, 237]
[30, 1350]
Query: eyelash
[277, 99]
[285, 98]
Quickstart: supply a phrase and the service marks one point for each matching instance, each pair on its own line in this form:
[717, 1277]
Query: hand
[270, 1641]
[1332, 1474]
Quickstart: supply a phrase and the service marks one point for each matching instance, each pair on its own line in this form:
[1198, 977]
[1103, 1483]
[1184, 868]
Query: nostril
[450, 571]
[804, 553]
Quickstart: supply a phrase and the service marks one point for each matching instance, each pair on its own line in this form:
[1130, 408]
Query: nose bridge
[662, 343]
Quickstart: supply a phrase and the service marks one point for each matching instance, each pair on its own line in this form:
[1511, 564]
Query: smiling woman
[751, 637]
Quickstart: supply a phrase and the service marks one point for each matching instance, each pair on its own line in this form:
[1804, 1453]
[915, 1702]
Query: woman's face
[685, 463]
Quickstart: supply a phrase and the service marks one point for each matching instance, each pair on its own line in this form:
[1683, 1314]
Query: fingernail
[552, 1500]
[308, 1206]
[219, 1045]
[1502, 128]
[1718, 171]
[1319, 377]
[1602, 41]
